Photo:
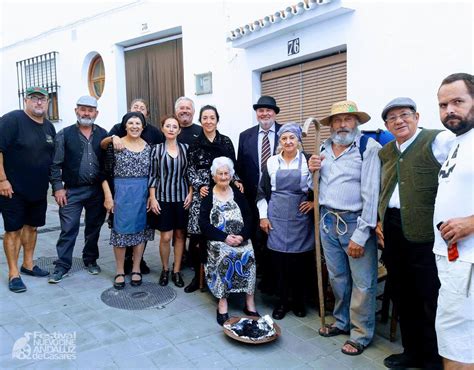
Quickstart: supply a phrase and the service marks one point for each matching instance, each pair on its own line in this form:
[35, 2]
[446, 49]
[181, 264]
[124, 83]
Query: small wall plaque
[203, 83]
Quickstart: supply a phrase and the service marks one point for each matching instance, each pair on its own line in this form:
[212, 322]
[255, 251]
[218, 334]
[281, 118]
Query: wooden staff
[317, 240]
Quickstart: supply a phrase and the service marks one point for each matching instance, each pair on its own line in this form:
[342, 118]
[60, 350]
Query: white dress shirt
[441, 146]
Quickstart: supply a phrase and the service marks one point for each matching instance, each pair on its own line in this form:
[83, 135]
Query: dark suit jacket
[247, 160]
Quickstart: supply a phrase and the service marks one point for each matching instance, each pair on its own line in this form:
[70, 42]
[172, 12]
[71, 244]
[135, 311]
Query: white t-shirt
[455, 196]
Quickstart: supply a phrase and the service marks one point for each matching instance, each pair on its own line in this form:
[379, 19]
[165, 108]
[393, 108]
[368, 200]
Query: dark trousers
[91, 199]
[291, 272]
[414, 289]
[262, 253]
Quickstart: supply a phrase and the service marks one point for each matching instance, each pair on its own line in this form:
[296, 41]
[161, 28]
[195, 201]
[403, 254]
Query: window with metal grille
[39, 71]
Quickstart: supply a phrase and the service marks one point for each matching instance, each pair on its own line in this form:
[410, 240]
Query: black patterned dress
[129, 164]
[200, 156]
[228, 269]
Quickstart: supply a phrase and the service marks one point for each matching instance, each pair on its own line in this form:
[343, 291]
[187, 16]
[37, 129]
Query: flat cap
[398, 103]
[88, 101]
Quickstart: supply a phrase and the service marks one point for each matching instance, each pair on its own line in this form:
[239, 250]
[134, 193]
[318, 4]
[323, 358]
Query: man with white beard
[76, 179]
[348, 197]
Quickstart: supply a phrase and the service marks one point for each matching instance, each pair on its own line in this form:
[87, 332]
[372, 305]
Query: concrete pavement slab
[183, 334]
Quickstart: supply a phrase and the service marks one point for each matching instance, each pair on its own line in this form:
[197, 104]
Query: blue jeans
[91, 199]
[353, 280]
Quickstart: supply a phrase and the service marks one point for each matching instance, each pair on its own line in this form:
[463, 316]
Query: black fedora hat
[267, 102]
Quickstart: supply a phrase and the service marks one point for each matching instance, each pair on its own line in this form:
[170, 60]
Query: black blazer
[247, 160]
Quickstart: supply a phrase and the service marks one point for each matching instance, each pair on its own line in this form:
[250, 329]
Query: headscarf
[292, 127]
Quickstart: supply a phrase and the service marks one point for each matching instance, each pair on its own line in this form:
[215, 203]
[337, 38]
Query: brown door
[155, 73]
[307, 89]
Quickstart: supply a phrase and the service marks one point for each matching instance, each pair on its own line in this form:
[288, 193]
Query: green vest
[416, 171]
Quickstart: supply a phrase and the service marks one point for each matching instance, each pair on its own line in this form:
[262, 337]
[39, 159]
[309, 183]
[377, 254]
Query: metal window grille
[39, 71]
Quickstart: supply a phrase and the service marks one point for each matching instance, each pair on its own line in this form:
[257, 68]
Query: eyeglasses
[36, 99]
[404, 116]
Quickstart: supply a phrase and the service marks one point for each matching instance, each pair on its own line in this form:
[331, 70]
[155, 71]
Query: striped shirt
[168, 174]
[348, 183]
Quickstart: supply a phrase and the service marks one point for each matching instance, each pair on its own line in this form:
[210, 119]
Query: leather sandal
[164, 277]
[331, 331]
[357, 346]
[119, 285]
[136, 282]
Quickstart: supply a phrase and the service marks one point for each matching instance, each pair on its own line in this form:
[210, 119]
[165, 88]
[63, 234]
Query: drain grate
[147, 295]
[46, 263]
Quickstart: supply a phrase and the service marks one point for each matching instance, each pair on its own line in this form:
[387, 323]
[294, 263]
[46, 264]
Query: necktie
[265, 149]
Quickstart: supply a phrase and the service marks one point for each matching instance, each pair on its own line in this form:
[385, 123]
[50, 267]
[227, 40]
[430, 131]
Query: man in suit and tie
[256, 145]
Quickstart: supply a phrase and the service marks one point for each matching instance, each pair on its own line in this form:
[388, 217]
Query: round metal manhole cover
[147, 295]
[47, 263]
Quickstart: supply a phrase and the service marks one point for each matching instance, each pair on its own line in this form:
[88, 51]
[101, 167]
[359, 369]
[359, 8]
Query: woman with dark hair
[170, 197]
[126, 193]
[209, 145]
[152, 135]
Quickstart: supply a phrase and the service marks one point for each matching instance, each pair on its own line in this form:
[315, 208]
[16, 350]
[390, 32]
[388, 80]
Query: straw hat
[345, 107]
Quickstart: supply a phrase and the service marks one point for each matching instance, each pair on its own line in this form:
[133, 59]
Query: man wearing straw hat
[348, 196]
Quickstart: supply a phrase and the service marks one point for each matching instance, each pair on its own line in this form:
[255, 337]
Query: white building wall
[393, 49]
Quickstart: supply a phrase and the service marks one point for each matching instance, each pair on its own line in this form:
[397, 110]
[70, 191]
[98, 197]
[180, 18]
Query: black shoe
[299, 311]
[177, 279]
[280, 312]
[222, 317]
[36, 271]
[127, 266]
[120, 285]
[401, 360]
[16, 285]
[250, 313]
[164, 277]
[193, 286]
[136, 282]
[144, 267]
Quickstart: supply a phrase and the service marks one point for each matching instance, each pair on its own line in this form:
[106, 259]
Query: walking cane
[317, 240]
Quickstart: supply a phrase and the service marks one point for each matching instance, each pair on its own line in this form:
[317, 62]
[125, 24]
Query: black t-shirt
[28, 149]
[150, 134]
[188, 135]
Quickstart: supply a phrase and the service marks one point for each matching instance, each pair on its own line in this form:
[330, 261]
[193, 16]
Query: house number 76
[294, 46]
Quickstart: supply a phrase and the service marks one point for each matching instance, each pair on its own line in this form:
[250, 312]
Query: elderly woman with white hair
[225, 220]
[284, 209]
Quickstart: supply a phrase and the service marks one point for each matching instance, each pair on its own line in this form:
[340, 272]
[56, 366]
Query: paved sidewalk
[184, 334]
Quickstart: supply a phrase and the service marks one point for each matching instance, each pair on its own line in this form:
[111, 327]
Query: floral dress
[229, 269]
[131, 165]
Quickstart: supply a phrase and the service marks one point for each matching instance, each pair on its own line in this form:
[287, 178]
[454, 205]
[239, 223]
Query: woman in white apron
[285, 216]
